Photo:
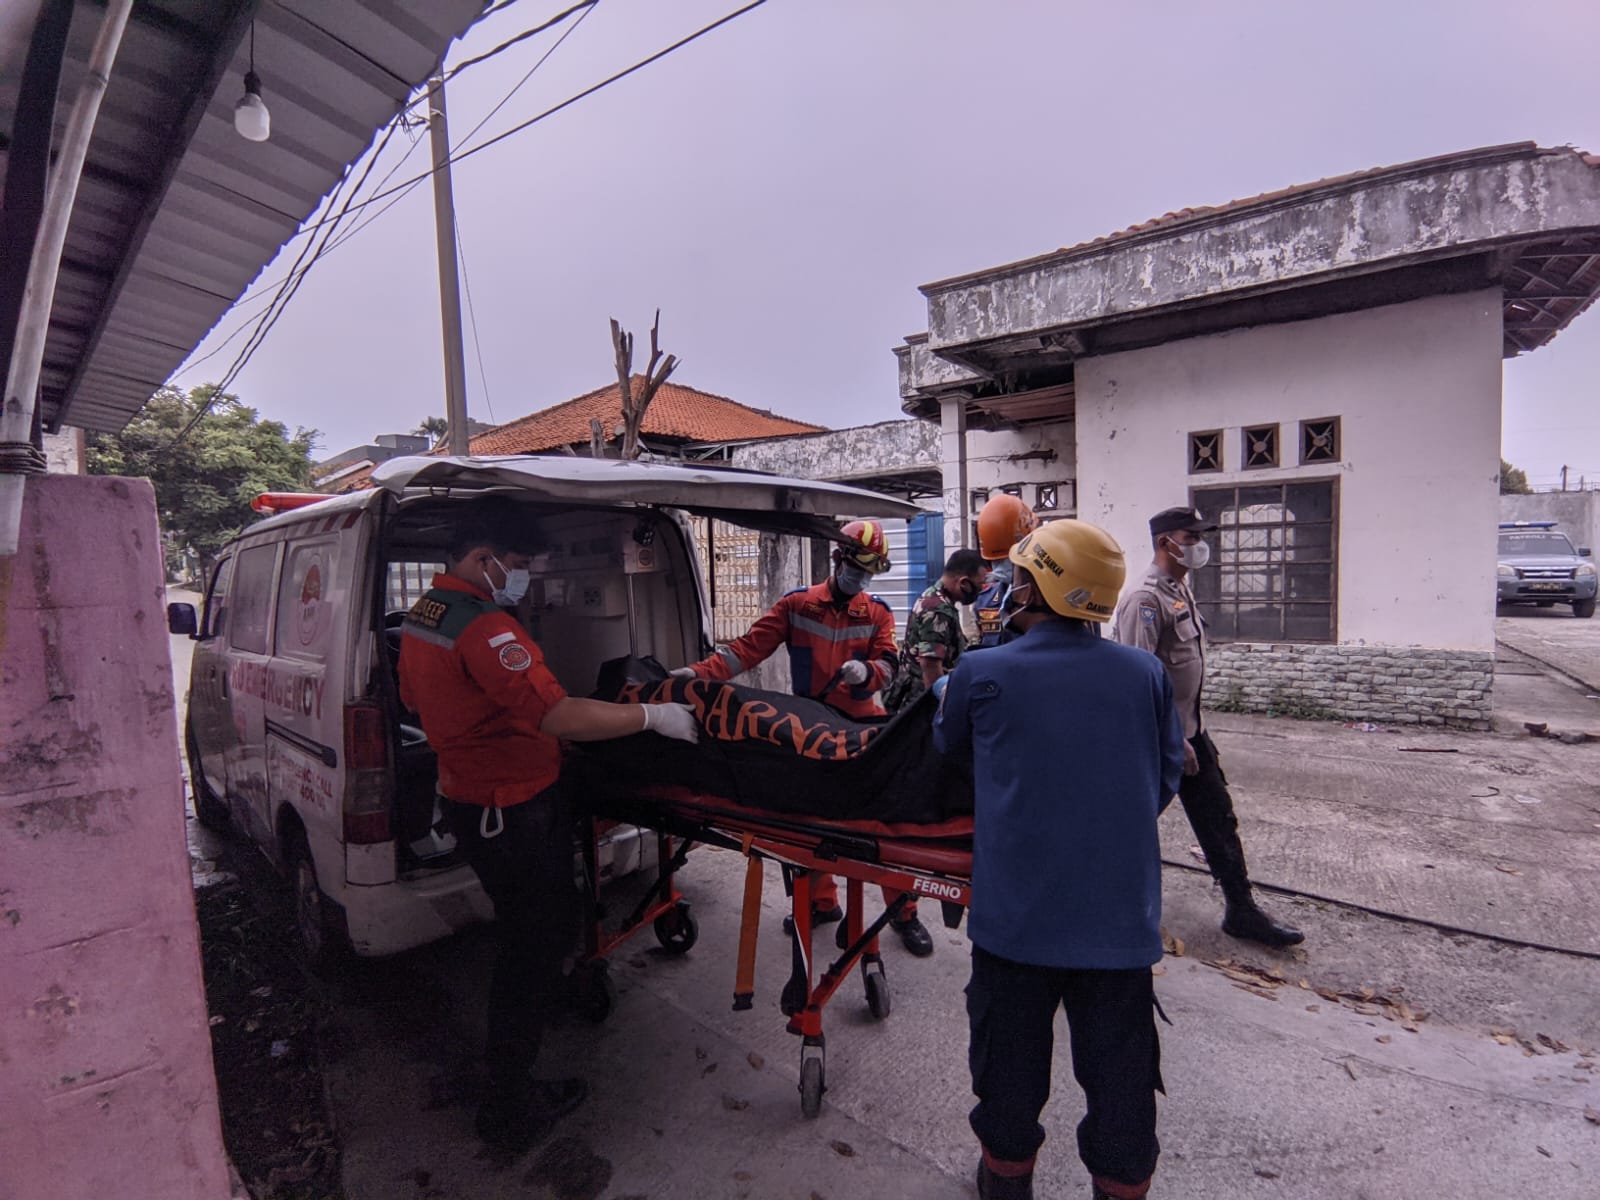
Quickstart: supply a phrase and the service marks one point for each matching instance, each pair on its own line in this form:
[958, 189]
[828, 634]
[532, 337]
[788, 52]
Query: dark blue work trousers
[1116, 1059]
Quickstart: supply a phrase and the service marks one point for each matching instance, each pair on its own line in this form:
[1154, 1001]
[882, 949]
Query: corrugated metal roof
[177, 214]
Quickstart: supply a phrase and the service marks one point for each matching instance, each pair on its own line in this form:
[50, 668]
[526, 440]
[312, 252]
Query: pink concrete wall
[106, 1082]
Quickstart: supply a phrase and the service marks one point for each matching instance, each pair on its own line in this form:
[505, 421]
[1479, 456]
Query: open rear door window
[772, 503]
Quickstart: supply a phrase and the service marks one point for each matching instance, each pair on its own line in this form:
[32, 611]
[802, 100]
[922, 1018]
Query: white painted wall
[1003, 458]
[1417, 387]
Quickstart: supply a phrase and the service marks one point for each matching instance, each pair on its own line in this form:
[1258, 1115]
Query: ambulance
[296, 736]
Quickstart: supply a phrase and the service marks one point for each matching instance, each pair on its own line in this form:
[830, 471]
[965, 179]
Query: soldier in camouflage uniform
[933, 639]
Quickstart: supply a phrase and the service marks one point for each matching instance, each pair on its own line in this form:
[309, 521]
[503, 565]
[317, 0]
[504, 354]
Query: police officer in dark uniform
[1160, 616]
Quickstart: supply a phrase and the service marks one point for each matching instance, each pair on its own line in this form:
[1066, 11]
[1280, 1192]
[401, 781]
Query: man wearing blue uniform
[1075, 747]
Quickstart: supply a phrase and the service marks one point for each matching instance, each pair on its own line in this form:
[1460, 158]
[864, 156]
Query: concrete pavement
[1292, 1096]
[1554, 637]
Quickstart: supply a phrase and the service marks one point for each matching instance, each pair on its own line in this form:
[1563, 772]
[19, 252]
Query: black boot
[819, 917]
[1003, 1187]
[515, 1119]
[915, 936]
[1245, 920]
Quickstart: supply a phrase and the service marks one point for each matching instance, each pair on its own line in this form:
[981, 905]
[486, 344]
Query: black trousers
[1209, 807]
[527, 871]
[1116, 1059]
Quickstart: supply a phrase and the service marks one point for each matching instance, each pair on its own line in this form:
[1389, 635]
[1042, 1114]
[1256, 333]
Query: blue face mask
[515, 587]
[851, 578]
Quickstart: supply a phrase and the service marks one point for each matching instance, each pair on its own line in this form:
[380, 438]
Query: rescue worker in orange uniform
[842, 652]
[496, 718]
[1003, 521]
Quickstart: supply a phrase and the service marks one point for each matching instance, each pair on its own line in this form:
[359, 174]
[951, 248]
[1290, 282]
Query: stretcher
[931, 861]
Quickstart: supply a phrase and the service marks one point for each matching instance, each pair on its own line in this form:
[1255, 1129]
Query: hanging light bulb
[250, 116]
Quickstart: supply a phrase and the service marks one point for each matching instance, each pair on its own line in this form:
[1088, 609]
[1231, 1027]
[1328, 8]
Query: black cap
[1174, 520]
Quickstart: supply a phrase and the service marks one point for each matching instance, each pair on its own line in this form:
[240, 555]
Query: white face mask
[514, 588]
[1192, 557]
[851, 578]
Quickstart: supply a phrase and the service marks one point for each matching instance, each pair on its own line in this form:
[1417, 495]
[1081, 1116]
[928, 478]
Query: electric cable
[401, 119]
[472, 319]
[291, 287]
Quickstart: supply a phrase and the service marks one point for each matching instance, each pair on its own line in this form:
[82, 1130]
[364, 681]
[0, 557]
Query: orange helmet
[1003, 521]
[864, 543]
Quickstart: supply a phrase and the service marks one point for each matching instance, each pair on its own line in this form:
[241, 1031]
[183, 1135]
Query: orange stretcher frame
[931, 861]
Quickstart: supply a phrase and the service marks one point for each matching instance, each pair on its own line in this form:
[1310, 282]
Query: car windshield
[1539, 542]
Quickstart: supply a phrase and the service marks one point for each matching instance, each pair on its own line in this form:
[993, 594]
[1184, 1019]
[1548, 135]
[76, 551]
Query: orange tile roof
[677, 413]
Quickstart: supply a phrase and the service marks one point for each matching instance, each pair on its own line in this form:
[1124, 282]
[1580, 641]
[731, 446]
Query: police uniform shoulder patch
[514, 656]
[1147, 614]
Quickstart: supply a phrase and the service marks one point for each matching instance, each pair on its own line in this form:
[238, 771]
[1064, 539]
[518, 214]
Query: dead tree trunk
[634, 407]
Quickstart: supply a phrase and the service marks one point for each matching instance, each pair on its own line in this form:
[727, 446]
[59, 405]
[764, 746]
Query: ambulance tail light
[368, 779]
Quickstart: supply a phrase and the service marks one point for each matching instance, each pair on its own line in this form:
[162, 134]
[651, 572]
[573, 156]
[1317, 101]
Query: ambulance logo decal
[515, 657]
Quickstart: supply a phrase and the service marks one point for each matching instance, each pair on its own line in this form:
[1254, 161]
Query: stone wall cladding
[1401, 685]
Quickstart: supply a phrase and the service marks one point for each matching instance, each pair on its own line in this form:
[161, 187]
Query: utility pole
[1563, 478]
[444, 217]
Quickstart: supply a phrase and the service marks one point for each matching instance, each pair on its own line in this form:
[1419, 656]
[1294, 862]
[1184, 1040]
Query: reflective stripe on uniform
[412, 629]
[732, 659]
[829, 633]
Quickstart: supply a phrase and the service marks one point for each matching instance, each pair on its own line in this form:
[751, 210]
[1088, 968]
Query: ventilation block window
[1047, 500]
[1205, 451]
[1319, 440]
[1273, 572]
[978, 498]
[1260, 447]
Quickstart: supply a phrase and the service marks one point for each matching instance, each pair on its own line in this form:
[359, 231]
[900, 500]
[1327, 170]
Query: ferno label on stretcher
[779, 753]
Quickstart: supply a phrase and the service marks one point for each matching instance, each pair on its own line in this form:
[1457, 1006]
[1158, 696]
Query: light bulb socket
[252, 84]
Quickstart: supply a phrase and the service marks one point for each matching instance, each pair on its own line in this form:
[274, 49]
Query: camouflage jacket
[932, 631]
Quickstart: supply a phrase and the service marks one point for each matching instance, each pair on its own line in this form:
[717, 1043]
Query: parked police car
[1539, 565]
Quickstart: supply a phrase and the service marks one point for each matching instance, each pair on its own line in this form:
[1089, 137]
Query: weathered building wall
[1416, 387]
[64, 451]
[1363, 224]
[106, 1081]
[844, 455]
[1035, 458]
[1577, 514]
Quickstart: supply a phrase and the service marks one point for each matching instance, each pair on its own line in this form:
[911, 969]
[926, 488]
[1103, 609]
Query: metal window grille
[1047, 498]
[1261, 447]
[1205, 451]
[730, 561]
[1274, 574]
[1319, 440]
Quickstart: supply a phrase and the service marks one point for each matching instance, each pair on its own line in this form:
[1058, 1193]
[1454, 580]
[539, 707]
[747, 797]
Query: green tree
[205, 482]
[434, 429]
[1513, 480]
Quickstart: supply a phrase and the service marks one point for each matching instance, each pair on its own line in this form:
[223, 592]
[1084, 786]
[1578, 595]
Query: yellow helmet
[1077, 567]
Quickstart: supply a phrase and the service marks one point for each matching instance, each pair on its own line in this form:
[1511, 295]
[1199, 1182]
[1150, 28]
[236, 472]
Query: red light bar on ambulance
[271, 503]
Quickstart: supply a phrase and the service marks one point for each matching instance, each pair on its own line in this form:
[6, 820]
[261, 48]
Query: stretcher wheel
[878, 1002]
[676, 929]
[811, 1088]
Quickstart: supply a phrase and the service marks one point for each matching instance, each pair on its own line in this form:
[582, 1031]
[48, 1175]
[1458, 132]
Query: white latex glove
[673, 721]
[682, 673]
[853, 672]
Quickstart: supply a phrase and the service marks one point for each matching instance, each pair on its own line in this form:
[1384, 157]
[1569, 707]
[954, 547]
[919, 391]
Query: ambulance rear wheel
[878, 1001]
[676, 929]
[811, 1088]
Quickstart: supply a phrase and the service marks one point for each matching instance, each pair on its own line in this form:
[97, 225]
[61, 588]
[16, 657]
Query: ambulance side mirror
[181, 619]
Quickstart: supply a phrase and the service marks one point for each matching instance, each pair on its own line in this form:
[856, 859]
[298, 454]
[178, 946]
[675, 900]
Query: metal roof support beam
[28, 165]
[21, 394]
